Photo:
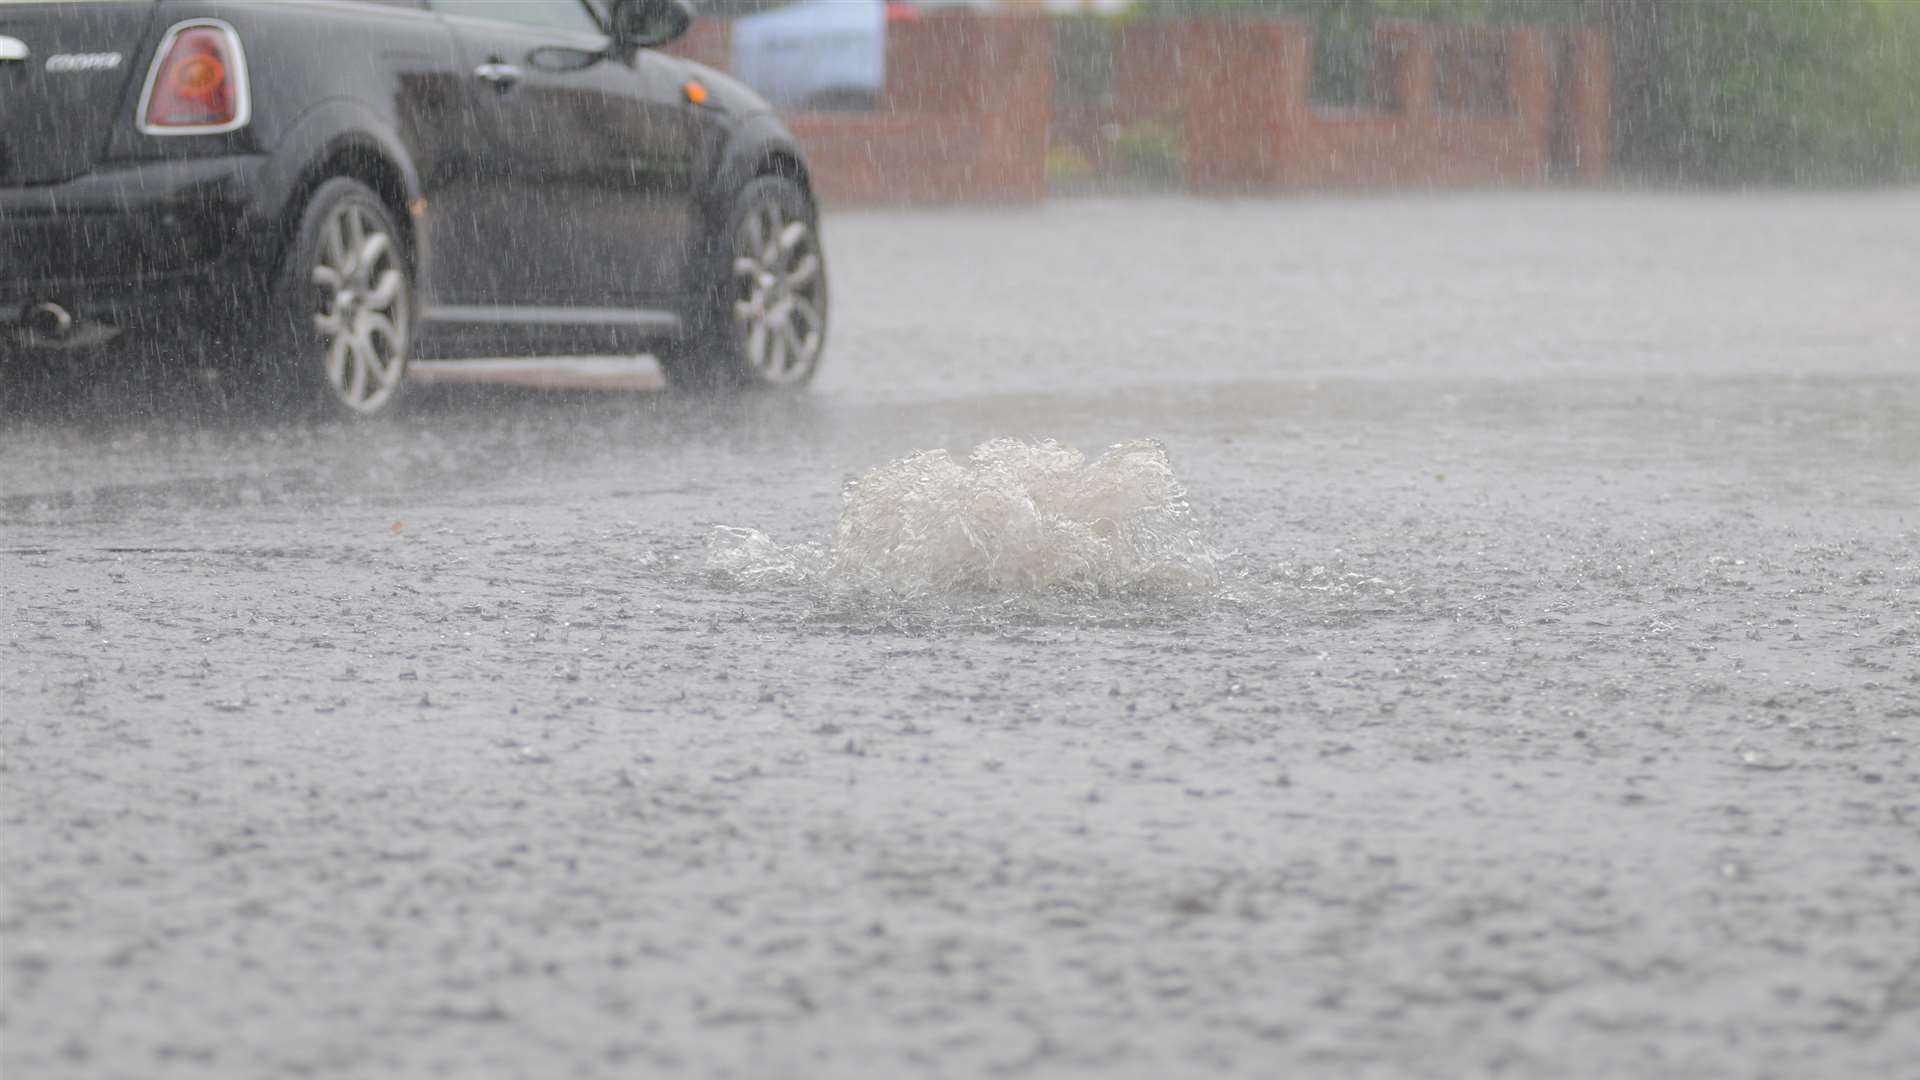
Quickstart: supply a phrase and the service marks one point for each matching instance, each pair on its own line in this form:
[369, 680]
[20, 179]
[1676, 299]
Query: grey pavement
[1554, 713]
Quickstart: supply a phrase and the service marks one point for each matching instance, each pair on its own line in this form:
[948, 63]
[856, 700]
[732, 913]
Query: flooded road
[1550, 708]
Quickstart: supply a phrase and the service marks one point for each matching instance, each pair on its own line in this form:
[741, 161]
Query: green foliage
[1067, 165]
[1083, 57]
[1153, 153]
[1343, 54]
[1811, 91]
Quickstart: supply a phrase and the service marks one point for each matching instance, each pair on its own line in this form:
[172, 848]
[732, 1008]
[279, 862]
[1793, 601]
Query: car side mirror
[643, 24]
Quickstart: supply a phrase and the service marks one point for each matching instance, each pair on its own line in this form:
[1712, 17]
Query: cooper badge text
[100, 61]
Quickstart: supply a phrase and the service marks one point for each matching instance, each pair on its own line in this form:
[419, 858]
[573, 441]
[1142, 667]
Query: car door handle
[497, 75]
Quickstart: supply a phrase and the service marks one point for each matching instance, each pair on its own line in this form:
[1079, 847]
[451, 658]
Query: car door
[582, 207]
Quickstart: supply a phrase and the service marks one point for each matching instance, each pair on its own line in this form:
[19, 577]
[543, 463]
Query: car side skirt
[454, 331]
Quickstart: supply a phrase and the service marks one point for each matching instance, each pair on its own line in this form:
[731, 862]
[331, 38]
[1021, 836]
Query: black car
[318, 191]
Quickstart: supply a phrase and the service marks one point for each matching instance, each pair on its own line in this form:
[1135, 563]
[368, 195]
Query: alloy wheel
[363, 308]
[779, 300]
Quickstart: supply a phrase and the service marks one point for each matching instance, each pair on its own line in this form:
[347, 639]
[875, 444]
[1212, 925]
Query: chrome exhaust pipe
[48, 321]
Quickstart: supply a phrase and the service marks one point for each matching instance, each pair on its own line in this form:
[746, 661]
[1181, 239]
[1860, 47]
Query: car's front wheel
[346, 295]
[765, 324]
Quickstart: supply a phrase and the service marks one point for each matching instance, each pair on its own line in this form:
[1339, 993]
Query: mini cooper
[316, 192]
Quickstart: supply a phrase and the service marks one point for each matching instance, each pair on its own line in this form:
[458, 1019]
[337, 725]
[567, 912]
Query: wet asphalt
[1555, 714]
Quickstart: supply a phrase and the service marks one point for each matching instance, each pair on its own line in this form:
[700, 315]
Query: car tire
[763, 322]
[343, 307]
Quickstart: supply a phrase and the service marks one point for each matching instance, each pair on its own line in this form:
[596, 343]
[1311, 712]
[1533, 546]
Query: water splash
[1011, 518]
[750, 557]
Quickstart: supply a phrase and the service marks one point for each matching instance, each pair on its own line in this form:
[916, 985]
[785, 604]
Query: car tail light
[897, 12]
[198, 82]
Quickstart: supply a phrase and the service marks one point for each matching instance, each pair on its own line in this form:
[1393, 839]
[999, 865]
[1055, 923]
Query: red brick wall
[968, 108]
[1245, 87]
[963, 118]
[1015, 105]
[1251, 125]
[1148, 73]
[707, 41]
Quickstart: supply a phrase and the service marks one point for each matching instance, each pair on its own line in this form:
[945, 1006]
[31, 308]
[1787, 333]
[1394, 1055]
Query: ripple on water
[1010, 519]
